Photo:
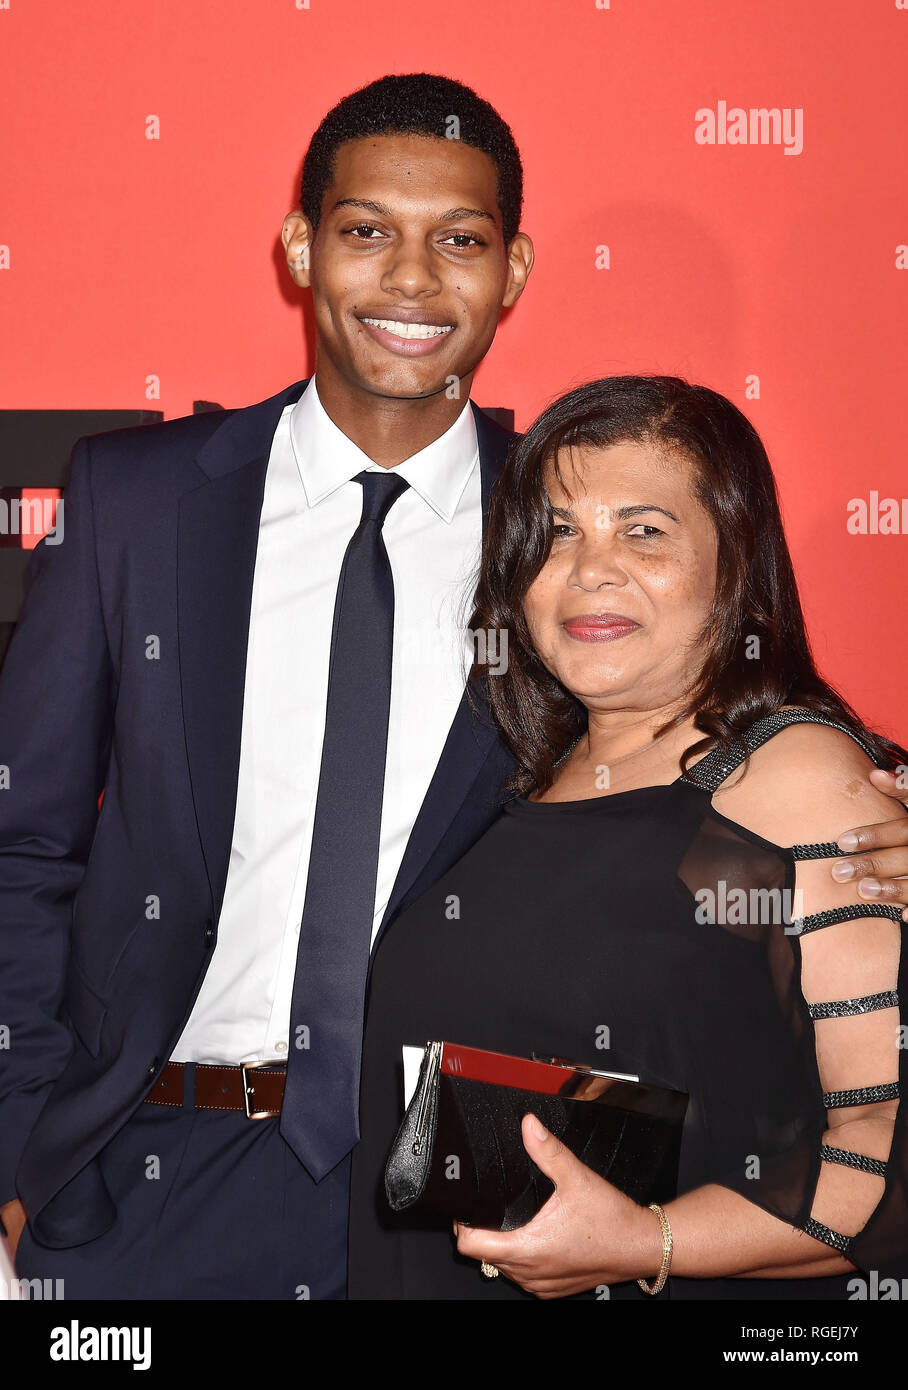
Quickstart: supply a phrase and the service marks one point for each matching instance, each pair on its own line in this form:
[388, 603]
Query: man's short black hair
[417, 103]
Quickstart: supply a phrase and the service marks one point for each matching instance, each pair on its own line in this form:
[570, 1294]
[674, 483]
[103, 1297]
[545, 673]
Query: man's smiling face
[408, 269]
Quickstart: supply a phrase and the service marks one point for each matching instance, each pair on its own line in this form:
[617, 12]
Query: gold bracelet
[658, 1283]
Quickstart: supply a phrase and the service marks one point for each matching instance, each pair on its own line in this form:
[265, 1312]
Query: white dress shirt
[433, 536]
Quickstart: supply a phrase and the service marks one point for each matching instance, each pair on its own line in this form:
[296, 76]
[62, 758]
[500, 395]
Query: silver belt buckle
[250, 1090]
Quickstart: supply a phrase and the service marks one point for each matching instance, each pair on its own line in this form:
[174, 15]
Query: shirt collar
[326, 458]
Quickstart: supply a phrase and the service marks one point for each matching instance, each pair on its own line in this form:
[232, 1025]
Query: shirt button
[280, 1046]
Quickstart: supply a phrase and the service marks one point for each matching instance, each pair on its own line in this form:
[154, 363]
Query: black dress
[582, 929]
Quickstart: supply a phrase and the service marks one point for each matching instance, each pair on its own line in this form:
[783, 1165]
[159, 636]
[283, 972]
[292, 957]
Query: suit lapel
[472, 735]
[217, 543]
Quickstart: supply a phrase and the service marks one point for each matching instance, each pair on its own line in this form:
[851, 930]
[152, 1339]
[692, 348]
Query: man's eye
[464, 237]
[363, 227]
[646, 533]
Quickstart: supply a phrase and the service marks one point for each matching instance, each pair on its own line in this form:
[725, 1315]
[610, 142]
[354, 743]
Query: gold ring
[490, 1271]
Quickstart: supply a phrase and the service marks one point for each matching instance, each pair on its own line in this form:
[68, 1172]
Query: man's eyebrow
[382, 210]
[622, 513]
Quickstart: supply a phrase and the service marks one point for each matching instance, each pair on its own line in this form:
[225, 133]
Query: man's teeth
[411, 330]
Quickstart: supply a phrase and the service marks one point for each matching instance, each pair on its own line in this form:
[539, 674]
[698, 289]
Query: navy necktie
[320, 1111]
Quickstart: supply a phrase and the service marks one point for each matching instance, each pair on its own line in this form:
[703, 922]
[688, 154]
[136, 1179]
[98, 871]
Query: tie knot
[380, 492]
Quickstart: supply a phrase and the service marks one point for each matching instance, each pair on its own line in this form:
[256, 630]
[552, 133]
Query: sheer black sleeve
[803, 1110]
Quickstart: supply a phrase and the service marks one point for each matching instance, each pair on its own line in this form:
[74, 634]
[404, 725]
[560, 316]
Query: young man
[252, 640]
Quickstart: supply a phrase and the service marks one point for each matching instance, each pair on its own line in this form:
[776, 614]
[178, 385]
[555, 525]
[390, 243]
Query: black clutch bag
[459, 1153]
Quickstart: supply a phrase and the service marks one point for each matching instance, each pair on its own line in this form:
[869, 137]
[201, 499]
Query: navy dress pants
[210, 1205]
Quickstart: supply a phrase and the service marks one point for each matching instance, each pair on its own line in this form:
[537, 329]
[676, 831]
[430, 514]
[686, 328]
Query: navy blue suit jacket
[126, 673]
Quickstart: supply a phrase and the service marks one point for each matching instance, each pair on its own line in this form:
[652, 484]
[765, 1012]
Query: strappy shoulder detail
[712, 770]
[831, 916]
[843, 1094]
[828, 849]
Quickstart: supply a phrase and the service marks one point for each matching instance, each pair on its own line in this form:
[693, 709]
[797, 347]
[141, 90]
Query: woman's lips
[599, 627]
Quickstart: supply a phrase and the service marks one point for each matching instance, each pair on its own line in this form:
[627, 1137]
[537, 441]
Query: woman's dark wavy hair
[756, 592]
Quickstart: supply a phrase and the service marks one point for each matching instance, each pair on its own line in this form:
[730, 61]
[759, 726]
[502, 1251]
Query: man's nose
[411, 272]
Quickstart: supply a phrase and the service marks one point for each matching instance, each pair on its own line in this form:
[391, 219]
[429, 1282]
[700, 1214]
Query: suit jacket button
[209, 931]
[153, 1068]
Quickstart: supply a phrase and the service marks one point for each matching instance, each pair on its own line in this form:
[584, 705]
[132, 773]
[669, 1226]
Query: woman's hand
[587, 1233]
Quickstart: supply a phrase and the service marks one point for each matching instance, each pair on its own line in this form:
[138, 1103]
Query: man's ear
[297, 236]
[520, 262]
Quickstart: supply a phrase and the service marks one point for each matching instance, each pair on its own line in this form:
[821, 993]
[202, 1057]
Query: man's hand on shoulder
[805, 785]
[879, 853]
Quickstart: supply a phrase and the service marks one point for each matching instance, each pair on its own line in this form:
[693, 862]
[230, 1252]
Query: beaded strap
[828, 849]
[877, 1166]
[710, 772]
[865, 1095]
[861, 1162]
[848, 1008]
[851, 913]
[827, 1235]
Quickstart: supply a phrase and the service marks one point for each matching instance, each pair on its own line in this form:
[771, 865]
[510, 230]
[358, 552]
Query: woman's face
[617, 609]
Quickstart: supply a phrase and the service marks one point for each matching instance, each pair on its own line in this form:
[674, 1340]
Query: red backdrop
[133, 261]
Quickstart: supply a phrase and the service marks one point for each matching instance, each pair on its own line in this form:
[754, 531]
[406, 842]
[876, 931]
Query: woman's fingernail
[843, 870]
[538, 1129]
[848, 841]
[870, 887]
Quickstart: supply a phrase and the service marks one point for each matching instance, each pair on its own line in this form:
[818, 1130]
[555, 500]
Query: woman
[677, 756]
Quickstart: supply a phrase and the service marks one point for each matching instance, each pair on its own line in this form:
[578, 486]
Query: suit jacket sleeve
[56, 712]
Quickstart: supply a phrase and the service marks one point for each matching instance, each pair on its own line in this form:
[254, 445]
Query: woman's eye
[562, 529]
[646, 533]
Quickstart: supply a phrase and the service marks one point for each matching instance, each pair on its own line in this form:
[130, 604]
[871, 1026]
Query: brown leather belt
[255, 1088]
